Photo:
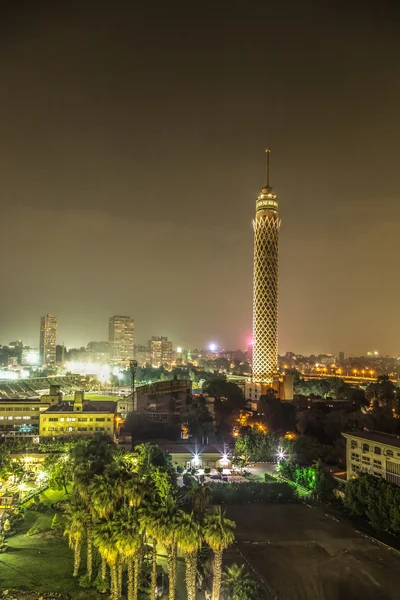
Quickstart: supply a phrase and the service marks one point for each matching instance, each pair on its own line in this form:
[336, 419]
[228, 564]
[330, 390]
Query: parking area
[303, 554]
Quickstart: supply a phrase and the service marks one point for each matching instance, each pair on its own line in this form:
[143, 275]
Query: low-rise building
[375, 453]
[197, 456]
[19, 417]
[162, 395]
[78, 418]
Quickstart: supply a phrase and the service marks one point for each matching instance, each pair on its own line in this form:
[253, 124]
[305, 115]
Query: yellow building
[78, 418]
[21, 417]
[374, 453]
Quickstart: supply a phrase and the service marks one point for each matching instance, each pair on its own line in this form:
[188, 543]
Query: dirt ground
[303, 554]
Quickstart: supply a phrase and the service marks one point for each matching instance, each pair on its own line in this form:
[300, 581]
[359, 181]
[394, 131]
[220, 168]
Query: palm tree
[150, 524]
[189, 540]
[134, 490]
[75, 530]
[219, 534]
[169, 520]
[81, 486]
[232, 576]
[105, 540]
[200, 496]
[129, 544]
[103, 494]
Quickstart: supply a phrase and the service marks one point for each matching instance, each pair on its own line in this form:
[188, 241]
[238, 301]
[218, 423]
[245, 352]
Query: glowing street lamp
[281, 454]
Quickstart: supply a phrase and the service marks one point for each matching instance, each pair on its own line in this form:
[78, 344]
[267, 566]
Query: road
[303, 553]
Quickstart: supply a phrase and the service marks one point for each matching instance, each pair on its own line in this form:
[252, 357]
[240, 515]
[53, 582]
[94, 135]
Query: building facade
[78, 418]
[160, 352]
[22, 417]
[375, 453]
[48, 340]
[121, 340]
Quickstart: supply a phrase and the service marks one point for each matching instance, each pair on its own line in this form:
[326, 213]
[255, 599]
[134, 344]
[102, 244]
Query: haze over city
[130, 164]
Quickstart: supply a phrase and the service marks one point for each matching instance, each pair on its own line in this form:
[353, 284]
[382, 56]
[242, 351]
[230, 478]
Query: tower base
[281, 384]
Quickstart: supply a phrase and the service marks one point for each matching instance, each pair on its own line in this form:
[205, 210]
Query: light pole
[133, 366]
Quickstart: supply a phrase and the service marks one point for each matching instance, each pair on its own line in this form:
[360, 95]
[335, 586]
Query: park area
[38, 558]
[303, 554]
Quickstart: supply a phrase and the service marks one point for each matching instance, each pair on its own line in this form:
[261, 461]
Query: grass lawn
[40, 563]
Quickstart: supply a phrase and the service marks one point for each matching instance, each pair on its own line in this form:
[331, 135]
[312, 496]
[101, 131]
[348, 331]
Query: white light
[179, 349]
[213, 347]
[281, 454]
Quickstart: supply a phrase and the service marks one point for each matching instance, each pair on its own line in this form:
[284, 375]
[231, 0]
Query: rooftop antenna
[268, 152]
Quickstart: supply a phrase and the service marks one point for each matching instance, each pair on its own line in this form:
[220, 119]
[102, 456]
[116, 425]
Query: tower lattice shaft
[265, 285]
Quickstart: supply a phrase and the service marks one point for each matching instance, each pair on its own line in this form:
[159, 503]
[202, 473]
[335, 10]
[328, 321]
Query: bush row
[252, 492]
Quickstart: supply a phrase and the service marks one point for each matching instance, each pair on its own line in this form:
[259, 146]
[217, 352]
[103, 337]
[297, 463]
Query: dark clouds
[131, 154]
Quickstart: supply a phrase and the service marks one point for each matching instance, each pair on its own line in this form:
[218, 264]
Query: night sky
[132, 152]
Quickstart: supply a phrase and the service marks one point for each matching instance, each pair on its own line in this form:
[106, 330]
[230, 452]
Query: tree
[59, 471]
[200, 496]
[324, 483]
[219, 534]
[150, 523]
[129, 544]
[271, 407]
[103, 494]
[198, 417]
[105, 540]
[75, 529]
[169, 520]
[232, 576]
[189, 540]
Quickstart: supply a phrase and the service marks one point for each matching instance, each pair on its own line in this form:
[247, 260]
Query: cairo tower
[265, 298]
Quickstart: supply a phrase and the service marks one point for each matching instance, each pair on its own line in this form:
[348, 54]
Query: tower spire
[268, 152]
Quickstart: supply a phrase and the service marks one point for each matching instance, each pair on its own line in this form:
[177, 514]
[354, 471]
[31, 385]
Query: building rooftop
[185, 448]
[89, 406]
[376, 436]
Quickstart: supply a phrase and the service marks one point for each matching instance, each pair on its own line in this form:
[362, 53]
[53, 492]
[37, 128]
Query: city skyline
[106, 152]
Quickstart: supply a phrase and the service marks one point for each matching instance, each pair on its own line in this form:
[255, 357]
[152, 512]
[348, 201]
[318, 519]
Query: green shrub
[179, 469]
[84, 582]
[220, 469]
[7, 526]
[3, 544]
[207, 470]
[252, 492]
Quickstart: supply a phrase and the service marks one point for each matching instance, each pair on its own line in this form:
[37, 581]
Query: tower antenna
[268, 152]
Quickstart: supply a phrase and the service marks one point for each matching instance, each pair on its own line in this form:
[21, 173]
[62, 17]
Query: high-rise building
[141, 354]
[48, 340]
[160, 351]
[121, 340]
[266, 226]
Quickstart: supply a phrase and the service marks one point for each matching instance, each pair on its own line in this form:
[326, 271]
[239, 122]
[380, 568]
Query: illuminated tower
[265, 285]
[265, 301]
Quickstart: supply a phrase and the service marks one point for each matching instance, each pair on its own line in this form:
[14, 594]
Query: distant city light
[9, 375]
[32, 357]
[212, 347]
[179, 349]
[82, 368]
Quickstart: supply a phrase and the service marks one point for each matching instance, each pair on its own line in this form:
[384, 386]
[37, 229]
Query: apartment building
[375, 453]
